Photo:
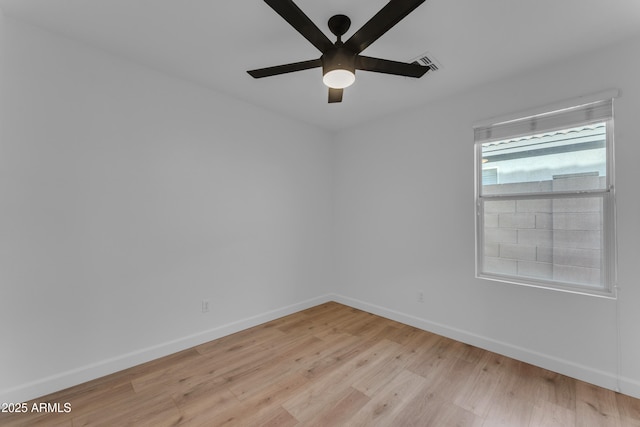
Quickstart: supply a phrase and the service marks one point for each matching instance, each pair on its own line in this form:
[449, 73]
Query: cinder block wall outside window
[553, 239]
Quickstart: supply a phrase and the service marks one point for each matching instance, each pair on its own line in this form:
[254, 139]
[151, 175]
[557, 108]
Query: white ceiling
[213, 43]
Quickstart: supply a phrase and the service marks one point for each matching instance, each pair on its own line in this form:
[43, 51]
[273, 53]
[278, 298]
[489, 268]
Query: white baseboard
[89, 372]
[630, 387]
[571, 369]
[99, 369]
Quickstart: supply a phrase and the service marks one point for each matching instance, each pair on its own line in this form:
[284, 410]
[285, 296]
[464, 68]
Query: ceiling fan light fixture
[340, 59]
[338, 68]
[339, 78]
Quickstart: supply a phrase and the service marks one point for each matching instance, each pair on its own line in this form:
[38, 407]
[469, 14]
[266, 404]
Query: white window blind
[593, 112]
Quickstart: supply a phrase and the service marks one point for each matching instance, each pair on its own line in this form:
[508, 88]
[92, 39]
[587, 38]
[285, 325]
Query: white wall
[405, 223]
[127, 197]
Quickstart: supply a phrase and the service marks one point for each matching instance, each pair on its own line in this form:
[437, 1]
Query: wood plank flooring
[333, 365]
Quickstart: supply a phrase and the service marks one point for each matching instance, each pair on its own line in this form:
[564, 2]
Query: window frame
[607, 194]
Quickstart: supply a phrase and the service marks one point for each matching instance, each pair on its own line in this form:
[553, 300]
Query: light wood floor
[333, 365]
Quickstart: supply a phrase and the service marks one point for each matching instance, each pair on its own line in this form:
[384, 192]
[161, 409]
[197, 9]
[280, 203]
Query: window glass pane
[489, 176]
[552, 239]
[572, 159]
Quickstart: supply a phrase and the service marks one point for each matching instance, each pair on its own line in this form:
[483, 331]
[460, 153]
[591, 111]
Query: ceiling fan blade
[335, 95]
[377, 65]
[381, 22]
[301, 22]
[286, 68]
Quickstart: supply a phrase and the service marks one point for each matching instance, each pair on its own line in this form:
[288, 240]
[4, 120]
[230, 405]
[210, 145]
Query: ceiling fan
[339, 61]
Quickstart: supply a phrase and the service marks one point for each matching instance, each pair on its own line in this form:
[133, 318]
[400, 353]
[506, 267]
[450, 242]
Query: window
[545, 200]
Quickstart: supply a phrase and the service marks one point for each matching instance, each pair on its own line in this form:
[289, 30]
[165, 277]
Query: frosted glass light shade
[339, 79]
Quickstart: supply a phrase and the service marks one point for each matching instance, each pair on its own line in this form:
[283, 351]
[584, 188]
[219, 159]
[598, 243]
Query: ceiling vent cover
[427, 59]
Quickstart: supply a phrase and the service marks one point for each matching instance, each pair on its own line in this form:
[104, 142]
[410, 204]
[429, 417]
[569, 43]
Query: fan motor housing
[338, 58]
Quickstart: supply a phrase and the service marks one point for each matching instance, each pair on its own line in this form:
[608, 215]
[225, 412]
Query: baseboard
[630, 387]
[89, 372]
[99, 369]
[604, 379]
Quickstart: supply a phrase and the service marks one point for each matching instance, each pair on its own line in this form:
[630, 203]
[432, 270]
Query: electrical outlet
[205, 305]
[420, 296]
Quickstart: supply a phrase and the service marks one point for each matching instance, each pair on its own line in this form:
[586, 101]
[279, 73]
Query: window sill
[597, 292]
